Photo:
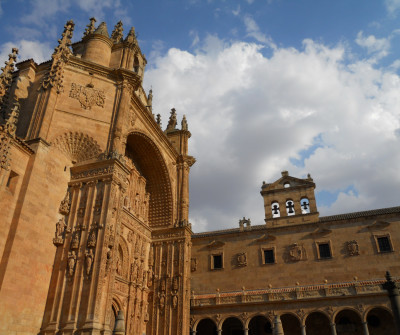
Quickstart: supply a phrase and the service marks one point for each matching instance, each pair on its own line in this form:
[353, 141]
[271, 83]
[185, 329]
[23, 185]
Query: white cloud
[392, 6]
[249, 114]
[38, 51]
[253, 30]
[236, 11]
[195, 37]
[377, 46]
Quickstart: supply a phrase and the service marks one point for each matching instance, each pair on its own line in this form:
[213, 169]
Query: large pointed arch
[150, 163]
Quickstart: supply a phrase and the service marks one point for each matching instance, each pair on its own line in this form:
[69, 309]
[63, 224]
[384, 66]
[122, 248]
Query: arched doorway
[114, 315]
[317, 323]
[260, 325]
[291, 324]
[206, 327]
[232, 326]
[380, 321]
[348, 322]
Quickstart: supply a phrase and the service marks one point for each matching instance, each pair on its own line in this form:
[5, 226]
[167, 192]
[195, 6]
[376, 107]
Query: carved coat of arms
[297, 253]
[241, 259]
[87, 95]
[352, 248]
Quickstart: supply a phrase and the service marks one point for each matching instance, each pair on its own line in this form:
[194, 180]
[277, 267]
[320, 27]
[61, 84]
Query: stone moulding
[77, 146]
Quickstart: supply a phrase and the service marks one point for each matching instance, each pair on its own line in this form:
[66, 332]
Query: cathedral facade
[94, 230]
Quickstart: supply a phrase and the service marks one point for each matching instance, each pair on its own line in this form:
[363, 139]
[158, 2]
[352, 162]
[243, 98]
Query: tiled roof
[347, 216]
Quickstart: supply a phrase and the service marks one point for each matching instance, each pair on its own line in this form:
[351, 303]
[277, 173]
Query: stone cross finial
[117, 34]
[172, 120]
[184, 124]
[60, 56]
[6, 76]
[11, 124]
[90, 28]
[158, 120]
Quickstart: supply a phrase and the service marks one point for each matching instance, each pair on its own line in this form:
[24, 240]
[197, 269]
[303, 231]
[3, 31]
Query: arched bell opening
[380, 321]
[206, 327]
[149, 182]
[290, 324]
[348, 322]
[260, 325]
[232, 326]
[317, 323]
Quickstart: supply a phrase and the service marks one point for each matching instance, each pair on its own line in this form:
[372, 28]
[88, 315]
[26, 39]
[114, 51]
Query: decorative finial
[184, 123]
[11, 124]
[102, 30]
[90, 27]
[6, 76]
[158, 120]
[60, 57]
[131, 36]
[117, 34]
[172, 120]
[150, 100]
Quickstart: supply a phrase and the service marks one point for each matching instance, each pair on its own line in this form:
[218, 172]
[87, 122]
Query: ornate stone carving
[352, 248]
[6, 77]
[193, 264]
[61, 229]
[75, 240]
[65, 204]
[71, 262]
[60, 57]
[90, 28]
[241, 259]
[174, 301]
[11, 125]
[172, 121]
[117, 34]
[87, 95]
[91, 243]
[77, 146]
[89, 256]
[5, 158]
[297, 253]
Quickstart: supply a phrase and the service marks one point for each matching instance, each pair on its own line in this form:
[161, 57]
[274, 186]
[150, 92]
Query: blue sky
[308, 86]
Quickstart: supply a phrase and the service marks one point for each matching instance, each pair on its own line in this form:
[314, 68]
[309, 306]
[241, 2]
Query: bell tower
[289, 201]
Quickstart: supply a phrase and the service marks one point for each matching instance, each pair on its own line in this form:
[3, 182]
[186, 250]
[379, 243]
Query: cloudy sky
[308, 86]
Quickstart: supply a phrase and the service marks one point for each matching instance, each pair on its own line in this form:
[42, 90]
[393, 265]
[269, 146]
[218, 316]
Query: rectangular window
[269, 257]
[384, 244]
[324, 250]
[217, 262]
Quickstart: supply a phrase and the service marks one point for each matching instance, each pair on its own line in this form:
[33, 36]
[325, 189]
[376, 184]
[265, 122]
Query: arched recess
[260, 325]
[123, 256]
[380, 321]
[232, 326]
[317, 323]
[78, 147]
[116, 306]
[206, 327]
[149, 162]
[291, 324]
[347, 322]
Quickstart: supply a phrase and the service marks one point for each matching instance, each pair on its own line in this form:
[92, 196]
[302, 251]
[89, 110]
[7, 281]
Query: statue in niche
[92, 239]
[71, 262]
[61, 227]
[174, 301]
[352, 248]
[75, 241]
[162, 301]
[150, 278]
[109, 259]
[65, 204]
[241, 259]
[175, 283]
[163, 285]
[193, 264]
[89, 260]
[119, 266]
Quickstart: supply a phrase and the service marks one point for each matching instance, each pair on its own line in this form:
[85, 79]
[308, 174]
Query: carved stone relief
[241, 259]
[87, 95]
[352, 248]
[297, 253]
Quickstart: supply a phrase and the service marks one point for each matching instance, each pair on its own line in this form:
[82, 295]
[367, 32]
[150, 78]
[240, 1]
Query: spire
[90, 27]
[172, 121]
[11, 124]
[117, 34]
[150, 101]
[6, 76]
[184, 123]
[158, 120]
[131, 38]
[60, 57]
[102, 30]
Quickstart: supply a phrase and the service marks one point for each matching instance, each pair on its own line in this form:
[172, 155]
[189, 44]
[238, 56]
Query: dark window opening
[373, 321]
[384, 244]
[217, 261]
[12, 182]
[324, 250]
[269, 256]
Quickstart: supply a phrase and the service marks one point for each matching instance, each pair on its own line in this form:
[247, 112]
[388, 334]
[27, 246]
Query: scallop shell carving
[77, 146]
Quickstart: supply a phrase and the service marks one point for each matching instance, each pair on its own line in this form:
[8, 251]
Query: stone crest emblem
[297, 253]
[241, 259]
[87, 95]
[352, 248]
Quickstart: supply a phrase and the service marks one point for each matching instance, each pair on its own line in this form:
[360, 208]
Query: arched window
[305, 205]
[276, 213]
[290, 207]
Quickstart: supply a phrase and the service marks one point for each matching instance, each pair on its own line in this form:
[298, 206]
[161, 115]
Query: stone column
[219, 331]
[194, 332]
[246, 331]
[303, 330]
[365, 327]
[394, 297]
[333, 329]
